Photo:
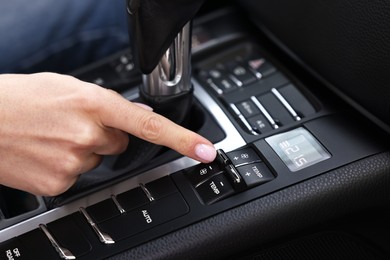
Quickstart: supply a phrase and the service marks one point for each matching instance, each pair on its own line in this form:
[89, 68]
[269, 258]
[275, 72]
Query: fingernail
[205, 152]
[143, 106]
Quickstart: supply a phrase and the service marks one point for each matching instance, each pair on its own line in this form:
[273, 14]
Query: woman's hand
[55, 127]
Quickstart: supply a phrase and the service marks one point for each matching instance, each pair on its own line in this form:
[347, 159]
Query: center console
[271, 128]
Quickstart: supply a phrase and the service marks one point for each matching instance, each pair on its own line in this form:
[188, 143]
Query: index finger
[122, 114]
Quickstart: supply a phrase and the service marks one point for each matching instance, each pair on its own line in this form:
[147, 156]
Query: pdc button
[214, 189]
[255, 174]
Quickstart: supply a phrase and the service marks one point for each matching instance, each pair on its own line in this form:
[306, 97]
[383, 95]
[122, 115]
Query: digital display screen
[298, 149]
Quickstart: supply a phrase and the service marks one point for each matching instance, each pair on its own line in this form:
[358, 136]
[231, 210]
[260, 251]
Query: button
[103, 237]
[147, 192]
[202, 172]
[286, 104]
[278, 112]
[215, 73]
[218, 79]
[247, 108]
[63, 252]
[212, 85]
[260, 124]
[216, 188]
[103, 210]
[225, 84]
[260, 65]
[243, 156]
[161, 187]
[132, 199]
[255, 174]
[145, 217]
[123, 65]
[35, 245]
[12, 249]
[69, 235]
[242, 119]
[297, 100]
[264, 111]
[242, 74]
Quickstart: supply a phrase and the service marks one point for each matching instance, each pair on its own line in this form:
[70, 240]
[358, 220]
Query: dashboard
[297, 167]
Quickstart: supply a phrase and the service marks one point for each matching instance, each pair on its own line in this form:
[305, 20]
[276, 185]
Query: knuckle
[151, 128]
[55, 186]
[54, 189]
[70, 166]
[87, 136]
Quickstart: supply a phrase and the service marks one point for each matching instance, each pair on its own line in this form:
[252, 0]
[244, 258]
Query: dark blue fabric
[59, 36]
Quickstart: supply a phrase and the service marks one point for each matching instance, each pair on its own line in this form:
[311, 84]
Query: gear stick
[160, 33]
[161, 37]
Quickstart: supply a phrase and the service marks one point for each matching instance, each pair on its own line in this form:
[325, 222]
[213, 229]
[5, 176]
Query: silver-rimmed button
[63, 252]
[103, 237]
[147, 192]
[117, 204]
[265, 112]
[285, 103]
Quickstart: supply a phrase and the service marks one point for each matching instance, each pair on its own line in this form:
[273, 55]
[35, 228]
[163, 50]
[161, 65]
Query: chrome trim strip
[214, 86]
[117, 204]
[236, 81]
[63, 252]
[234, 174]
[286, 104]
[103, 237]
[265, 112]
[257, 74]
[147, 192]
[233, 140]
[243, 119]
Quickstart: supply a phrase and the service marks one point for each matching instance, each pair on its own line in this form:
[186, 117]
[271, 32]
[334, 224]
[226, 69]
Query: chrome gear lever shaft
[161, 37]
[172, 75]
[168, 87]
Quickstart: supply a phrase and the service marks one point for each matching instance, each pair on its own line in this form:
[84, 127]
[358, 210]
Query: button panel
[269, 101]
[237, 171]
[109, 221]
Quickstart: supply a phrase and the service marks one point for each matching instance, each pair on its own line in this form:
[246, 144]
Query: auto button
[145, 217]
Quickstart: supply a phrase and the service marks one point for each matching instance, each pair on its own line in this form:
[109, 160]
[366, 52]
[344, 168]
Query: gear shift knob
[162, 47]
